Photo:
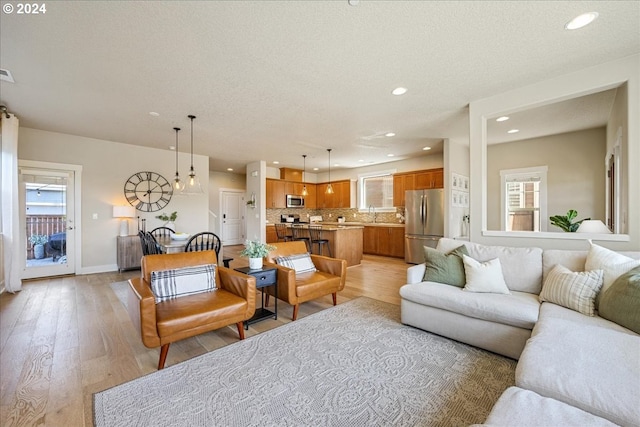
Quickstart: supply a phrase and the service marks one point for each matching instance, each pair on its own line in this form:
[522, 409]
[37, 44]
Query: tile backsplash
[331, 215]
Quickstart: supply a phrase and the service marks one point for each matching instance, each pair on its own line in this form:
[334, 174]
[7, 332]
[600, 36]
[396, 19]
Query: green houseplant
[255, 251]
[38, 241]
[168, 219]
[566, 221]
[164, 217]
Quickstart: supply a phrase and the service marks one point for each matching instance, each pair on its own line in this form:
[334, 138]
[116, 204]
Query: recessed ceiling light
[230, 169]
[581, 21]
[172, 147]
[275, 162]
[389, 134]
[361, 160]
[399, 91]
[315, 169]
[513, 131]
[426, 148]
[354, 2]
[502, 119]
[154, 114]
[390, 155]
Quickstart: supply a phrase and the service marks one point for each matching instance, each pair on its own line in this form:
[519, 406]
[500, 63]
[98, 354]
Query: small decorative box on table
[266, 276]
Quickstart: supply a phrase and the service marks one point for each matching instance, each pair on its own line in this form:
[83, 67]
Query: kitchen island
[345, 241]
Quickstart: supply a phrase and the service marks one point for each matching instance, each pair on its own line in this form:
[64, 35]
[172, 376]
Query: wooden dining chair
[162, 232]
[204, 241]
[149, 244]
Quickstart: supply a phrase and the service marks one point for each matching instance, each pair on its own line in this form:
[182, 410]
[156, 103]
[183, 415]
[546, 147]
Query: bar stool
[282, 233]
[298, 233]
[315, 232]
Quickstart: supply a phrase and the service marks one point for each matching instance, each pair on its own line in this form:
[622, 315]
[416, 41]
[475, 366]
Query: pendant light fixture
[304, 170]
[193, 183]
[178, 185]
[329, 189]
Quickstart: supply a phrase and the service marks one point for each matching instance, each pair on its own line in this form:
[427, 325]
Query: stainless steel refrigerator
[424, 217]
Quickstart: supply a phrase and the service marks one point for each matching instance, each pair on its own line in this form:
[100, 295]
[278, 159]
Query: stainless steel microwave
[294, 201]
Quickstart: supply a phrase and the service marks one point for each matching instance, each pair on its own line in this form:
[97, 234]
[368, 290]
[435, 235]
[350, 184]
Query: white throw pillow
[576, 291]
[301, 263]
[484, 276]
[180, 282]
[613, 264]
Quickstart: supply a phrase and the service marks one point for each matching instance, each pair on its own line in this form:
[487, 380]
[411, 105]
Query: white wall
[584, 82]
[575, 176]
[456, 160]
[221, 181]
[256, 218]
[106, 167]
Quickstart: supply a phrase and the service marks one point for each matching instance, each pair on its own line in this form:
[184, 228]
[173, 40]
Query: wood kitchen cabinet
[129, 252]
[381, 240]
[432, 178]
[401, 183]
[276, 195]
[341, 197]
[310, 199]
[418, 180]
[272, 236]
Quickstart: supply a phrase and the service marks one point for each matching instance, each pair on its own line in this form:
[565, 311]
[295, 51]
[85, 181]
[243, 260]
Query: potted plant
[169, 219]
[255, 251]
[565, 221]
[38, 241]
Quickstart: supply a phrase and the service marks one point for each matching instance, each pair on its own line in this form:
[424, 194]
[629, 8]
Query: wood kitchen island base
[345, 242]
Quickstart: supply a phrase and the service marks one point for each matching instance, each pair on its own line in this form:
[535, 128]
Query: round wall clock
[148, 191]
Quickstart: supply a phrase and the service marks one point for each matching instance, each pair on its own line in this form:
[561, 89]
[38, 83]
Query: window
[376, 190]
[524, 199]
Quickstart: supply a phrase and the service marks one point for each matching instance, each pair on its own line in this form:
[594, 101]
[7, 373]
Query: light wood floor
[63, 339]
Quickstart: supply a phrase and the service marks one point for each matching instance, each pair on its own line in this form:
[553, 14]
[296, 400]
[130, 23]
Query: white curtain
[9, 198]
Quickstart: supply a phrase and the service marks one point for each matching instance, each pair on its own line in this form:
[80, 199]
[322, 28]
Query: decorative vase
[255, 263]
[171, 225]
[38, 251]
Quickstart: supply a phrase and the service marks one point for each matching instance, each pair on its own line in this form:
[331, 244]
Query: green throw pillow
[620, 303]
[445, 268]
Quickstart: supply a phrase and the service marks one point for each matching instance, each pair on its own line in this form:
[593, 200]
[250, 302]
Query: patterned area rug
[350, 365]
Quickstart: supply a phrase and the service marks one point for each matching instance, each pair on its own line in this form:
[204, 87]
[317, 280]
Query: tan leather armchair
[161, 324]
[329, 279]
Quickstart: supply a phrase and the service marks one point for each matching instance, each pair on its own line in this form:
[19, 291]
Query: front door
[233, 208]
[48, 222]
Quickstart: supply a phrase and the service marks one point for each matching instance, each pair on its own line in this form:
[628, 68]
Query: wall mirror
[548, 159]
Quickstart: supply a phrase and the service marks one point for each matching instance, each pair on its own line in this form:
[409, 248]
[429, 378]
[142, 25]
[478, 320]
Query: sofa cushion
[301, 263]
[180, 282]
[521, 267]
[569, 289]
[621, 302]
[613, 263]
[484, 276]
[586, 362]
[520, 309]
[573, 260]
[445, 268]
[524, 408]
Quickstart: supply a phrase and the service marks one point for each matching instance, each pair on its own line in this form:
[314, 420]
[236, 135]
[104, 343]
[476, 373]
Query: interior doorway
[233, 216]
[48, 203]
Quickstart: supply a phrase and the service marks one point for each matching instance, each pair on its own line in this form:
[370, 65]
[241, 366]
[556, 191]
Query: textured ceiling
[275, 80]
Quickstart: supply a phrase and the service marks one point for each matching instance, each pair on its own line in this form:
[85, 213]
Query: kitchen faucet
[374, 212]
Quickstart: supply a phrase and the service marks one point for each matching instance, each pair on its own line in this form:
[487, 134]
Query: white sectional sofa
[573, 369]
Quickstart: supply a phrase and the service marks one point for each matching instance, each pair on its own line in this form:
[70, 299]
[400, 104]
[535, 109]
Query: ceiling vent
[6, 76]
